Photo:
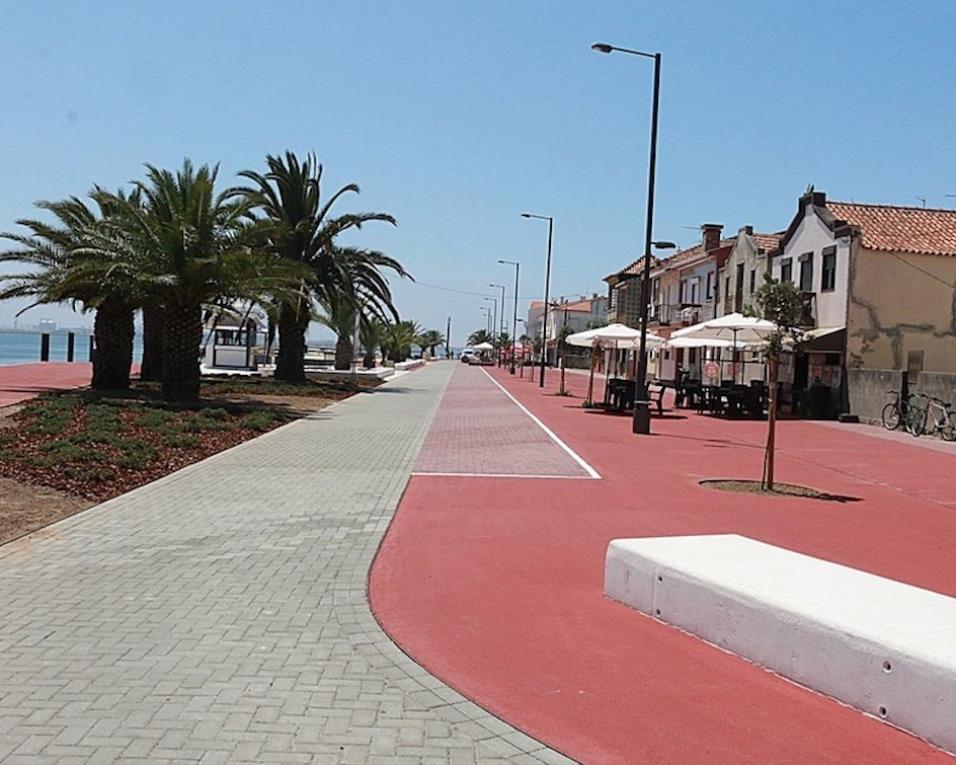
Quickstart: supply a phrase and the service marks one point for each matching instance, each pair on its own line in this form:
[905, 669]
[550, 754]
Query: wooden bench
[876, 644]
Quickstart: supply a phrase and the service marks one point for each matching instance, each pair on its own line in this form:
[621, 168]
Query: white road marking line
[503, 475]
[574, 455]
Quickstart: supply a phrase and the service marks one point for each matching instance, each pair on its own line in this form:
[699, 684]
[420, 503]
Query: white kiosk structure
[232, 347]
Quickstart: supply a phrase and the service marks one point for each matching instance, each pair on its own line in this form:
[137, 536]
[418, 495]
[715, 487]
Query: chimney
[749, 230]
[711, 235]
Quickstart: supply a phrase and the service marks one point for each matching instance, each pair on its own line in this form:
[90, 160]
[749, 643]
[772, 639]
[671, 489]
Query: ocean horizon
[24, 347]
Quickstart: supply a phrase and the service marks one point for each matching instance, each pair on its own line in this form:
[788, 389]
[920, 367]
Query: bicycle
[894, 413]
[943, 419]
[916, 414]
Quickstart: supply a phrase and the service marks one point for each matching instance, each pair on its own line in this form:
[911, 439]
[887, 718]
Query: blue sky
[457, 116]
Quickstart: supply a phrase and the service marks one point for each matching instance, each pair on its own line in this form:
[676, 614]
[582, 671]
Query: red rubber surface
[495, 585]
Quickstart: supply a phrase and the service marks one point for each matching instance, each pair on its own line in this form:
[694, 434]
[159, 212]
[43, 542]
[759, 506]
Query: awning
[825, 339]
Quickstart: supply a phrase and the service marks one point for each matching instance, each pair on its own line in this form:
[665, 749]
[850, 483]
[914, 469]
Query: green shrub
[260, 421]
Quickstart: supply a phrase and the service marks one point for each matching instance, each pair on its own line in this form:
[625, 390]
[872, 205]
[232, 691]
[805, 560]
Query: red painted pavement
[479, 430]
[20, 382]
[495, 585]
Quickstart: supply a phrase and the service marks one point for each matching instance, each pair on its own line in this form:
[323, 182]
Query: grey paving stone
[220, 615]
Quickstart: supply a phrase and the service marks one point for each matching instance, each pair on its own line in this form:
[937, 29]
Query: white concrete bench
[406, 366]
[886, 648]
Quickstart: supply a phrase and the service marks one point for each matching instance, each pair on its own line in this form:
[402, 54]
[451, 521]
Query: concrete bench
[406, 366]
[886, 648]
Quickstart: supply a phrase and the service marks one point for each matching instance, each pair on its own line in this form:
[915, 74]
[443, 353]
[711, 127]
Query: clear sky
[457, 116]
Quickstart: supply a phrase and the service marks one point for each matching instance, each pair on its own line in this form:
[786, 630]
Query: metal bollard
[44, 347]
[70, 345]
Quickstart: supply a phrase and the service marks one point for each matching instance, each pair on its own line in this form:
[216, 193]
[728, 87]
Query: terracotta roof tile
[768, 242]
[919, 230]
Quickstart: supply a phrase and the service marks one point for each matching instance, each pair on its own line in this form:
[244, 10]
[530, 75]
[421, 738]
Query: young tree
[780, 303]
[562, 341]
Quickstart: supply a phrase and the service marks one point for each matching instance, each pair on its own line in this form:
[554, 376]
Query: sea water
[24, 347]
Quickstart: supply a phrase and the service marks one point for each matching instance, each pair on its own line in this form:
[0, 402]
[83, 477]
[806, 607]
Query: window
[828, 275]
[691, 355]
[726, 288]
[786, 270]
[806, 272]
[710, 285]
[753, 280]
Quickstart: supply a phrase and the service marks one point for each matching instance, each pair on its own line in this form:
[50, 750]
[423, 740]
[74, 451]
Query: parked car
[469, 355]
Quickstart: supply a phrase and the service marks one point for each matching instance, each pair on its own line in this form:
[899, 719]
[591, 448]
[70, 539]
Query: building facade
[879, 289]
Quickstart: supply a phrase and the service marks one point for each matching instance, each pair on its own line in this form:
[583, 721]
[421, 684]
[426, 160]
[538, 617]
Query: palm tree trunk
[113, 337]
[290, 360]
[344, 353]
[369, 360]
[182, 332]
[151, 368]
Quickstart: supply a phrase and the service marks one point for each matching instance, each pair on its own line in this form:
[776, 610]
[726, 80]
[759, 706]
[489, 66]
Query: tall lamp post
[547, 288]
[642, 409]
[487, 311]
[494, 320]
[514, 320]
[502, 317]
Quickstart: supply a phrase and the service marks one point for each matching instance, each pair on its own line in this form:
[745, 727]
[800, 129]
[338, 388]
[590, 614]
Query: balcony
[682, 314]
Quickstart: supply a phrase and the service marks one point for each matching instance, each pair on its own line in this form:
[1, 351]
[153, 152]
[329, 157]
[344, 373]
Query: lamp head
[525, 215]
[602, 47]
[664, 245]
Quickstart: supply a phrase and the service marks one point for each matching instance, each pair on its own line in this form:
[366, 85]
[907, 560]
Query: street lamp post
[642, 409]
[514, 319]
[502, 321]
[494, 301]
[547, 288]
[487, 311]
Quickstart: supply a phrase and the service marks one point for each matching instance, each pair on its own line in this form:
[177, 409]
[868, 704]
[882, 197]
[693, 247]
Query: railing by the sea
[27, 346]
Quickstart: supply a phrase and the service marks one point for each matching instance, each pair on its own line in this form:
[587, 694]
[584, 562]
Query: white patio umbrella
[613, 336]
[484, 347]
[737, 330]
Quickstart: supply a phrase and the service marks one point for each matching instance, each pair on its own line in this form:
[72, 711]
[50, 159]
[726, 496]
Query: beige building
[879, 283]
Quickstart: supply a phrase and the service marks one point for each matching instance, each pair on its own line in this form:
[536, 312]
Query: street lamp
[514, 320]
[494, 320]
[547, 287]
[498, 328]
[487, 312]
[642, 409]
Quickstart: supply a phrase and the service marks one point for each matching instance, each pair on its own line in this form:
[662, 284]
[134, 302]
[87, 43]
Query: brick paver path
[479, 430]
[220, 615]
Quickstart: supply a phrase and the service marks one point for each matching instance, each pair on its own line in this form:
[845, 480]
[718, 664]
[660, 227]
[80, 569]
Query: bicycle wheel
[891, 416]
[916, 421]
[948, 431]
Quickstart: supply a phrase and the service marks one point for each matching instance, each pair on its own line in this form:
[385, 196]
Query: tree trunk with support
[767, 482]
[113, 335]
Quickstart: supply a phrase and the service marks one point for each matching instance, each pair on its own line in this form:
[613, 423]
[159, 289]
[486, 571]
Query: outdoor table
[622, 394]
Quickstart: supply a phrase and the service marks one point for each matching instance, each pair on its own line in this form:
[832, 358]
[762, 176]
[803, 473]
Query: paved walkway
[220, 615]
[20, 382]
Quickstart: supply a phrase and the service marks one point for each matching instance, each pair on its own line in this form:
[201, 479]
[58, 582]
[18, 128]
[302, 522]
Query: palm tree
[481, 336]
[304, 231]
[341, 315]
[431, 339]
[61, 275]
[188, 247]
[399, 338]
[371, 334]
